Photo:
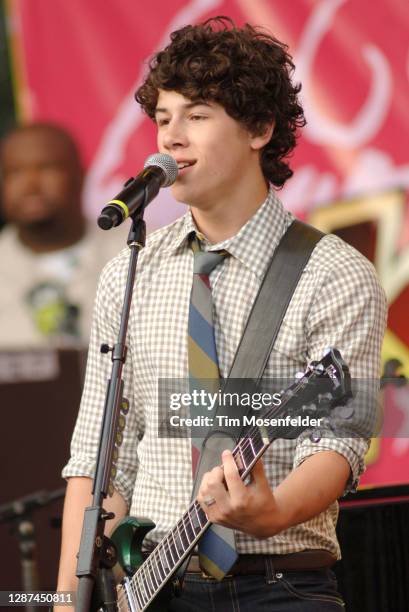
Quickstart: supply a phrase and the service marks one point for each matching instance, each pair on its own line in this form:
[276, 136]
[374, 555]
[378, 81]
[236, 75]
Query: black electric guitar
[324, 385]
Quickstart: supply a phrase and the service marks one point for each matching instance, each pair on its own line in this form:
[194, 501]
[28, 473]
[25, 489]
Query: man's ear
[259, 140]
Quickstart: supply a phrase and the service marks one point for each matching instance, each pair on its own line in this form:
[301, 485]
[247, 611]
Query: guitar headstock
[323, 385]
[333, 374]
[305, 405]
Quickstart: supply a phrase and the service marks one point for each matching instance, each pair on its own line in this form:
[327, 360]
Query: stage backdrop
[79, 63]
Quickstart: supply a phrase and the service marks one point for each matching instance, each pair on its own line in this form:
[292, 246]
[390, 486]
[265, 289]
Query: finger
[232, 477]
[258, 473]
[210, 478]
[213, 486]
[215, 477]
[215, 508]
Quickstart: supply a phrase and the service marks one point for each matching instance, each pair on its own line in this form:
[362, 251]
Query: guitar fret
[136, 590]
[169, 561]
[183, 534]
[151, 574]
[242, 459]
[190, 526]
[157, 574]
[173, 546]
[202, 516]
[170, 552]
[258, 442]
[145, 584]
[177, 548]
[195, 521]
[163, 564]
[248, 452]
[252, 448]
[181, 540]
[131, 596]
[142, 588]
[138, 596]
[150, 579]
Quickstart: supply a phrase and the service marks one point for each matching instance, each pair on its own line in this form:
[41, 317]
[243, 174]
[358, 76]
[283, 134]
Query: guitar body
[128, 537]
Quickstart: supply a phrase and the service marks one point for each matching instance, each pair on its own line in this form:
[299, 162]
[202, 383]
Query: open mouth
[185, 164]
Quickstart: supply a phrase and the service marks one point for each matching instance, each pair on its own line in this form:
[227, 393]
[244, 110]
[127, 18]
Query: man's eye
[161, 122]
[197, 117]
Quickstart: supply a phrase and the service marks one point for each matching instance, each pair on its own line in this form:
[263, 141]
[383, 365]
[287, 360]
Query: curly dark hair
[245, 70]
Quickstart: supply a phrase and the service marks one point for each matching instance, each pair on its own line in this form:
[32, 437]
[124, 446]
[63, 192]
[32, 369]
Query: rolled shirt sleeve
[349, 313]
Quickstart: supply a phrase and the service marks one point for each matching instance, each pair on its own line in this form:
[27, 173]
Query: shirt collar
[254, 243]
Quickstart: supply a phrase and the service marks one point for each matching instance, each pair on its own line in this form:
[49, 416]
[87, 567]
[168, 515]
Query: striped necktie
[217, 551]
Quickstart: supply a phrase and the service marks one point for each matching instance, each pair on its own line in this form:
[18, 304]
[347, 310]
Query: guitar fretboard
[172, 550]
[149, 579]
[139, 591]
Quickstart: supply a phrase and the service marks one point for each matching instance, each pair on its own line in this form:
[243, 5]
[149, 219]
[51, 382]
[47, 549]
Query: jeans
[291, 591]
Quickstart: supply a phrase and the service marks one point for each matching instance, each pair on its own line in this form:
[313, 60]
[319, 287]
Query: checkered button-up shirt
[338, 302]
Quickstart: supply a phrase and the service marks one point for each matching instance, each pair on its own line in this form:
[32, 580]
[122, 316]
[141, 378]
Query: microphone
[160, 170]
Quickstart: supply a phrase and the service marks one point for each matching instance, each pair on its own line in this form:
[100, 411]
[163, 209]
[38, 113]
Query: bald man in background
[50, 256]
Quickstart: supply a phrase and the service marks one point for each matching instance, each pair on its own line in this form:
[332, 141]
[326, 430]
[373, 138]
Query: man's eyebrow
[186, 106]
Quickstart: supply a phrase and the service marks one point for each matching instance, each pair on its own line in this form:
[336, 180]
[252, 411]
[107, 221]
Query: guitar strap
[260, 334]
[263, 324]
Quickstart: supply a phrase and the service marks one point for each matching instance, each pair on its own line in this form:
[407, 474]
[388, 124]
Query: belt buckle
[207, 576]
[204, 574]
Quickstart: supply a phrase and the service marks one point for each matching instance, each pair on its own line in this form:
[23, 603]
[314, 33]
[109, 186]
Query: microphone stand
[97, 554]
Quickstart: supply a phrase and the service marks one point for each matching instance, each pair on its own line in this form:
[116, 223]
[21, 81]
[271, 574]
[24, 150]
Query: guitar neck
[326, 382]
[170, 553]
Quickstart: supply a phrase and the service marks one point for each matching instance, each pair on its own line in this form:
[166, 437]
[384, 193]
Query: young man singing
[226, 110]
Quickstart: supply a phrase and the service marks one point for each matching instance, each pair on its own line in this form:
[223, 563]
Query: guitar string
[243, 450]
[242, 447]
[173, 548]
[166, 544]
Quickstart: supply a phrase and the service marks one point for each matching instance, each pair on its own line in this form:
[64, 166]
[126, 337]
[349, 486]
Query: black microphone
[160, 170]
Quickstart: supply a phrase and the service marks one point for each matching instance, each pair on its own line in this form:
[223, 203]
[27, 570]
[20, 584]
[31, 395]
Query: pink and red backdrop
[79, 63]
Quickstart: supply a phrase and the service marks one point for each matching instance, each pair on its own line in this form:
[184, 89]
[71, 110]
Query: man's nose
[30, 180]
[174, 136]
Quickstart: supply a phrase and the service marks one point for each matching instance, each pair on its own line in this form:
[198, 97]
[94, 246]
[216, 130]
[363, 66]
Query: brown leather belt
[257, 564]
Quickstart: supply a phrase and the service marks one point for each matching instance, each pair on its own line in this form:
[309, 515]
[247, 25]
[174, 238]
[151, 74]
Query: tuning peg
[315, 436]
[312, 407]
[299, 375]
[324, 397]
[345, 412]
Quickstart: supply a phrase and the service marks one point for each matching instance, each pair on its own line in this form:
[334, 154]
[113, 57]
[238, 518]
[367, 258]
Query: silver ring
[209, 501]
